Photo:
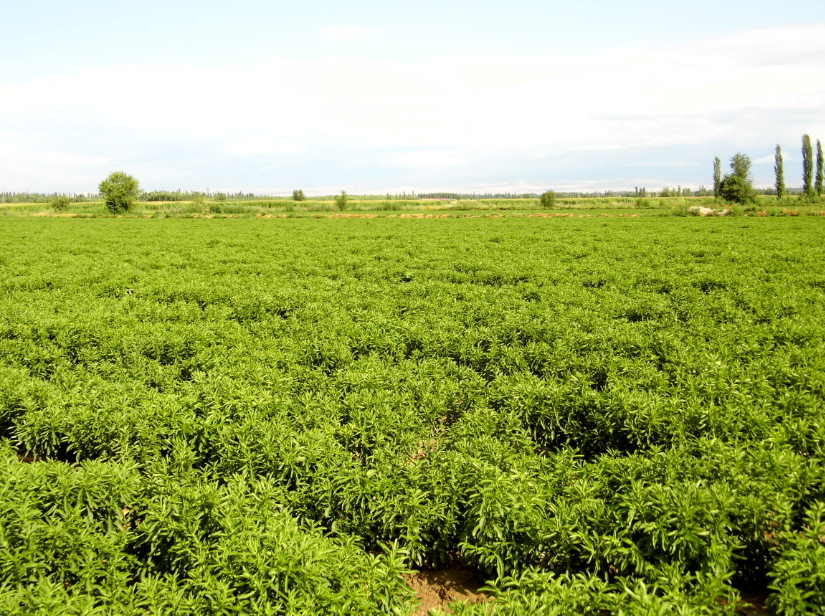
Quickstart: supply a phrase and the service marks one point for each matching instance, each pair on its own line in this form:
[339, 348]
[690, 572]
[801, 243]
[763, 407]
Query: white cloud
[343, 33]
[673, 164]
[428, 159]
[766, 159]
[446, 113]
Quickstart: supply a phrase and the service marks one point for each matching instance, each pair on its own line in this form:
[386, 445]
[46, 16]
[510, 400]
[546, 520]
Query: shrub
[298, 195]
[548, 199]
[341, 201]
[60, 204]
[119, 191]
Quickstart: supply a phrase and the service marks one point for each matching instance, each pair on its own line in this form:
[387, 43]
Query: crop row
[282, 416]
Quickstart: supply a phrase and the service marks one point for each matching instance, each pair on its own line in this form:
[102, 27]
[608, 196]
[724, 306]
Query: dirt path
[437, 589]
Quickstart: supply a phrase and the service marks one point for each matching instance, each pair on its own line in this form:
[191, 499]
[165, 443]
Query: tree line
[737, 186]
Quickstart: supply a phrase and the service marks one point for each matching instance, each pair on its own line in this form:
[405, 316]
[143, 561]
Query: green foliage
[717, 177]
[104, 535]
[820, 169]
[799, 573]
[808, 189]
[342, 201]
[598, 415]
[779, 170]
[737, 186]
[298, 195]
[60, 203]
[548, 199]
[119, 191]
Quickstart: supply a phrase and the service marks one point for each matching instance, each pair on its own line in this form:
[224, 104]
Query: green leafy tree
[119, 191]
[779, 169]
[819, 168]
[807, 168]
[298, 195]
[342, 201]
[737, 186]
[717, 176]
[548, 199]
[61, 203]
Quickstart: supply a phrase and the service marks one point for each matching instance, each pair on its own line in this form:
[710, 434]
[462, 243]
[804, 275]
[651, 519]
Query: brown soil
[437, 589]
[753, 603]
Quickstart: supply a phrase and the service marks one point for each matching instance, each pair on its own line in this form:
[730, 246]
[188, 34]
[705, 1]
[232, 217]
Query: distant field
[593, 415]
[376, 206]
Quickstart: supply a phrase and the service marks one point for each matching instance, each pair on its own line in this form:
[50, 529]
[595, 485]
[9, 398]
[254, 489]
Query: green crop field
[597, 415]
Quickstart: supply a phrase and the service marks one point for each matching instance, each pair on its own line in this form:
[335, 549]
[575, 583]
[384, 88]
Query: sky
[375, 97]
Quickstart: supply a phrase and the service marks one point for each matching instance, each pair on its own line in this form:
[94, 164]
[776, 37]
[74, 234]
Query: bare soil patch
[753, 602]
[439, 588]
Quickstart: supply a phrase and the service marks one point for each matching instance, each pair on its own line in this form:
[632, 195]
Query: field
[371, 206]
[592, 415]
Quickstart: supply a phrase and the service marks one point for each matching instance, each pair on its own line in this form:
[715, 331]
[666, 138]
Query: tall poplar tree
[779, 169]
[717, 176]
[807, 168]
[819, 170]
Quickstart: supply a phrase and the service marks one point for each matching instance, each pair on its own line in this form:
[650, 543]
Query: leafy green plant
[737, 186]
[547, 199]
[119, 191]
[61, 203]
[342, 201]
[798, 576]
[594, 414]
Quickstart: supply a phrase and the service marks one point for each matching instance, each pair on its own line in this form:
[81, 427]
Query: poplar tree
[819, 169]
[717, 176]
[779, 168]
[807, 168]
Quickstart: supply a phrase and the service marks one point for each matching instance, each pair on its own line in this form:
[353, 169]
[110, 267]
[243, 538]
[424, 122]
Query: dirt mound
[437, 589]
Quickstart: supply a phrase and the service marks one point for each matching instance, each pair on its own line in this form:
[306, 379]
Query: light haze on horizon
[376, 97]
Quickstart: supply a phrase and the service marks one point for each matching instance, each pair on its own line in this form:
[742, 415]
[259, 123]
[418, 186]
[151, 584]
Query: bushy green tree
[779, 169]
[807, 168]
[717, 176]
[119, 191]
[737, 186]
[298, 195]
[61, 203]
[820, 172]
[341, 201]
[548, 199]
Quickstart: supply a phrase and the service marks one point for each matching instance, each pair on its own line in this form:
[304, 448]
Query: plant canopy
[119, 191]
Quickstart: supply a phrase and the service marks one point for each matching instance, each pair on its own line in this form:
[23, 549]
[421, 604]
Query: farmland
[596, 415]
[372, 206]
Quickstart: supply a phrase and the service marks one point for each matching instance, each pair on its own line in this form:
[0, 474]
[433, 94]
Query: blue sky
[378, 96]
